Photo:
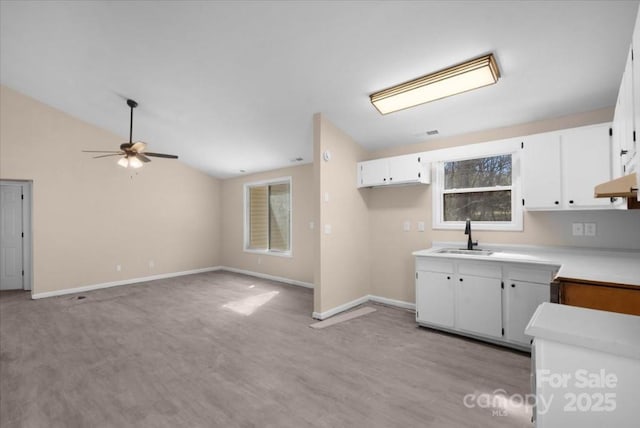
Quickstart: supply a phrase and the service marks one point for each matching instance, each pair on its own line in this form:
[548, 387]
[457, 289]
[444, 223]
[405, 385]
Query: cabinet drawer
[434, 265]
[530, 275]
[485, 269]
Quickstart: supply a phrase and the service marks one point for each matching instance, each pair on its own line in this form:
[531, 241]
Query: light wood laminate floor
[226, 350]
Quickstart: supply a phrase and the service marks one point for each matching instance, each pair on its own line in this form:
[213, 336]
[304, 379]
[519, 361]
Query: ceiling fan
[134, 154]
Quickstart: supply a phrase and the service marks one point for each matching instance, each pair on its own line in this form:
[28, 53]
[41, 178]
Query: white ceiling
[233, 85]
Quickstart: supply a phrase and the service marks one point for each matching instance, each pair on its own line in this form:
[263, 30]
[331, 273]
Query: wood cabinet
[560, 169]
[491, 301]
[604, 296]
[397, 170]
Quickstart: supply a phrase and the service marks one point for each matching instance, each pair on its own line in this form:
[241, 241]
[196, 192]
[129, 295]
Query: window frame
[246, 232]
[510, 147]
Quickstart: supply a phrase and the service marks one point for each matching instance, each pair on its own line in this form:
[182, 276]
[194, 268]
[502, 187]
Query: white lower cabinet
[487, 300]
[479, 305]
[523, 298]
[435, 297]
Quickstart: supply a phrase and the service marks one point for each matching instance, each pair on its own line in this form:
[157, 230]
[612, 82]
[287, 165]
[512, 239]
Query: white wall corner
[267, 276]
[392, 302]
[360, 301]
[341, 308]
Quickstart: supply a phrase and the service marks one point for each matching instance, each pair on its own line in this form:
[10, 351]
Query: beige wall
[90, 214]
[297, 267]
[342, 270]
[391, 247]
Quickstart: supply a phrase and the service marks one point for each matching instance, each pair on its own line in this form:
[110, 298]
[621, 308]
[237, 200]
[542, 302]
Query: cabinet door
[541, 171]
[587, 163]
[405, 169]
[435, 298]
[373, 173]
[625, 115]
[635, 72]
[479, 305]
[523, 298]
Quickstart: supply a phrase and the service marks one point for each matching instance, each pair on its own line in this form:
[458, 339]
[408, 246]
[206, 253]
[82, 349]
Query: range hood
[625, 187]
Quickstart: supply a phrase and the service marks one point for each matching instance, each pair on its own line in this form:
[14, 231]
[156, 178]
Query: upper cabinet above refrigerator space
[561, 168]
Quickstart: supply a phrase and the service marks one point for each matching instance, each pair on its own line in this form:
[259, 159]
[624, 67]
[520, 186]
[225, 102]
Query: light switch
[589, 229]
[326, 196]
[327, 229]
[577, 229]
[311, 225]
[421, 226]
[406, 226]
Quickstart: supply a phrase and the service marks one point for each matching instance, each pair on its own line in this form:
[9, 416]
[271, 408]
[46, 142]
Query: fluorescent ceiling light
[469, 75]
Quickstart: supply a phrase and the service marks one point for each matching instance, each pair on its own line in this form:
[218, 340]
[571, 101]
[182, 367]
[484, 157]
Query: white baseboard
[122, 282]
[392, 302]
[361, 300]
[266, 276]
[341, 308]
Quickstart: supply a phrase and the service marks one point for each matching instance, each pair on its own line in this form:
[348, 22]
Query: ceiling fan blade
[143, 158]
[161, 155]
[111, 154]
[100, 151]
[139, 147]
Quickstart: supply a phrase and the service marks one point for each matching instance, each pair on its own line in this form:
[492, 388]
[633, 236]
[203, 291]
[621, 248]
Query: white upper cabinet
[635, 54]
[586, 154]
[560, 169]
[623, 122]
[373, 173]
[407, 169]
[541, 171]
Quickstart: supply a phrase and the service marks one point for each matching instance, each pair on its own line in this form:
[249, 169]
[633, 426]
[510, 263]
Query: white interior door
[11, 238]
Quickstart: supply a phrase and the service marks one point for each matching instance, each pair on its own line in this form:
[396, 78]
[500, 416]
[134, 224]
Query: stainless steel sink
[465, 252]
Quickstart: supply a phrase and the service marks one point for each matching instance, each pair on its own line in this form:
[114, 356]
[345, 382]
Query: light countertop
[615, 266]
[588, 328]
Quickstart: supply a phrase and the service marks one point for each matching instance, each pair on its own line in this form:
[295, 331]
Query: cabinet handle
[623, 152]
[448, 277]
[557, 202]
[384, 179]
[513, 286]
[571, 201]
[460, 279]
[390, 178]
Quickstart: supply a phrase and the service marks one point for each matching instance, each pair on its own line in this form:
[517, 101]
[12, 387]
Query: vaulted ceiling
[232, 86]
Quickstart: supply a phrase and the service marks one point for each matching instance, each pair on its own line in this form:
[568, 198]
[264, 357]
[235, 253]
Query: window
[268, 217]
[481, 189]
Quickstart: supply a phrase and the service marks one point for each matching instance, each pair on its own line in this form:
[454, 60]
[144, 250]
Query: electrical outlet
[259, 260]
[327, 229]
[589, 229]
[326, 196]
[152, 264]
[421, 226]
[311, 225]
[406, 226]
[577, 229]
[118, 268]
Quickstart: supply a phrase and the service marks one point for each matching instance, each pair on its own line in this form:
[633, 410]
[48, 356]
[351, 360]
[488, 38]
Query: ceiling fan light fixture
[123, 162]
[469, 75]
[134, 162]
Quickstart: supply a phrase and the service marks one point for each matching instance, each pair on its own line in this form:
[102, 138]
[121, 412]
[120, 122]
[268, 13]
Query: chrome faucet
[467, 231]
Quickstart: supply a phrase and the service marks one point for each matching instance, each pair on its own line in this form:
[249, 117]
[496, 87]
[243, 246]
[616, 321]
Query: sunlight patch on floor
[248, 305]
